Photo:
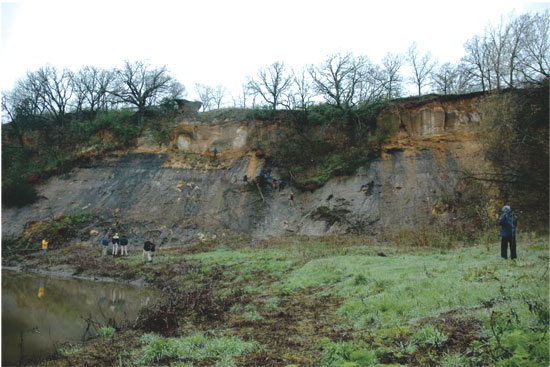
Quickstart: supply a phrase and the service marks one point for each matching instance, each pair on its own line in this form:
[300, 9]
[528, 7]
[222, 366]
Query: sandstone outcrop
[179, 190]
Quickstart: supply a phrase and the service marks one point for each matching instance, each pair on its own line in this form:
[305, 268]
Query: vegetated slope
[329, 301]
[180, 189]
[406, 174]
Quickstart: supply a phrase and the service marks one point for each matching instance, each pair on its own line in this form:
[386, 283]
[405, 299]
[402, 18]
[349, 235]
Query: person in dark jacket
[506, 232]
[281, 184]
[148, 248]
[123, 246]
[116, 242]
[105, 245]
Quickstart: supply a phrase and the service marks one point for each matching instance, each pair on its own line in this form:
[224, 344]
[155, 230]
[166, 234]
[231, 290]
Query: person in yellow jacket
[41, 290]
[45, 249]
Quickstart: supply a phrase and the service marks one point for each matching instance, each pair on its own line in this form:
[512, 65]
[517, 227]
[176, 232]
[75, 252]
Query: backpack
[105, 242]
[123, 241]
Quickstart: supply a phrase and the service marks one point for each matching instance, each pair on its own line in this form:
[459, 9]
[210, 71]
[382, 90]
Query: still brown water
[40, 313]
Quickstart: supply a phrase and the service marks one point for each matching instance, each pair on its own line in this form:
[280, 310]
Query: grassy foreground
[331, 301]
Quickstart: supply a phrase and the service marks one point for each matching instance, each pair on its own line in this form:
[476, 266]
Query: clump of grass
[429, 336]
[271, 303]
[350, 353]
[105, 331]
[70, 350]
[251, 313]
[196, 347]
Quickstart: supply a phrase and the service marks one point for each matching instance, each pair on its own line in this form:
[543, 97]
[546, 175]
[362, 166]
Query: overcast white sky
[221, 42]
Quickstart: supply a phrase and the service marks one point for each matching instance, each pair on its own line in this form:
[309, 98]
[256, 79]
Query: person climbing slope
[281, 184]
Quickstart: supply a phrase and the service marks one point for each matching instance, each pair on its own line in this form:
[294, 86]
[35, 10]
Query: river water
[40, 313]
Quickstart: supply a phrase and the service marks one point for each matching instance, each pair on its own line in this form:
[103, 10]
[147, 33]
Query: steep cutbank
[174, 192]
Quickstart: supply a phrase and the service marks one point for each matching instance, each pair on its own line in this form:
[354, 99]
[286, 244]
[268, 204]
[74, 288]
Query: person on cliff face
[116, 242]
[123, 246]
[291, 199]
[281, 185]
[105, 245]
[148, 249]
[245, 180]
[506, 232]
[215, 150]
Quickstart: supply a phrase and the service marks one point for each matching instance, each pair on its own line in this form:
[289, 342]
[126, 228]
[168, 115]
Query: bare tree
[371, 83]
[422, 66]
[476, 61]
[138, 84]
[51, 91]
[29, 89]
[240, 100]
[445, 78]
[21, 108]
[11, 109]
[176, 89]
[218, 95]
[518, 32]
[498, 42]
[511, 52]
[300, 94]
[271, 83]
[392, 79]
[205, 93]
[337, 79]
[535, 61]
[91, 85]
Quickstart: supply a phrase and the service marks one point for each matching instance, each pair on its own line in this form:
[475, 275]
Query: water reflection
[44, 312]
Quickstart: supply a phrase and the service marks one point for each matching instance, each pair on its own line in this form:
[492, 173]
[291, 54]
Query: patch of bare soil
[289, 335]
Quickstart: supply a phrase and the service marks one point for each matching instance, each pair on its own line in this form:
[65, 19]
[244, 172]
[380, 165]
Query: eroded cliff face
[175, 192]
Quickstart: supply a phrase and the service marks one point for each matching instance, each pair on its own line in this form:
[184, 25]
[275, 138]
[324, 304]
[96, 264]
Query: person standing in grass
[506, 232]
[116, 241]
[148, 248]
[123, 246]
[45, 250]
[105, 245]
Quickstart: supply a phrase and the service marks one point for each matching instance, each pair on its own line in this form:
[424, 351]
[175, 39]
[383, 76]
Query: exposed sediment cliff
[179, 190]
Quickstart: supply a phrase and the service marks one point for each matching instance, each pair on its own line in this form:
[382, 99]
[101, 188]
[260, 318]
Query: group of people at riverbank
[122, 242]
[117, 241]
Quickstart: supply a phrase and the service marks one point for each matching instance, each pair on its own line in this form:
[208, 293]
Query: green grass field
[343, 301]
